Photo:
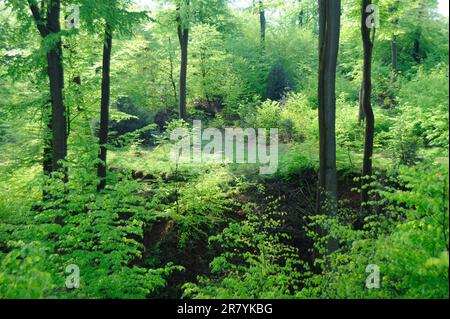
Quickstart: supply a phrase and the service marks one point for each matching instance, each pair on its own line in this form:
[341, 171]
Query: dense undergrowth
[210, 231]
[162, 229]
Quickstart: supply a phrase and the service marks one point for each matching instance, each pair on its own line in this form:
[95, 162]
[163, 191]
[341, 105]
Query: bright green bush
[100, 233]
[26, 274]
[428, 112]
[268, 115]
[255, 261]
[404, 142]
[408, 242]
[295, 161]
[300, 111]
[200, 204]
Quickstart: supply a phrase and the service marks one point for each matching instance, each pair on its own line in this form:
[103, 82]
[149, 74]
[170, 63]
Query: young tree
[394, 45]
[329, 24]
[115, 16]
[171, 72]
[187, 13]
[104, 108]
[208, 69]
[183, 8]
[367, 27]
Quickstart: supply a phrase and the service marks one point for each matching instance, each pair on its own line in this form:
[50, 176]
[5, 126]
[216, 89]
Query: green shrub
[300, 112]
[26, 274]
[295, 161]
[409, 242]
[255, 262]
[429, 112]
[278, 83]
[404, 143]
[268, 115]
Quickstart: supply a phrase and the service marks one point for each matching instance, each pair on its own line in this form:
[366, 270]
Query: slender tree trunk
[104, 110]
[393, 10]
[366, 105]
[171, 75]
[263, 23]
[183, 35]
[77, 81]
[329, 21]
[394, 57]
[394, 47]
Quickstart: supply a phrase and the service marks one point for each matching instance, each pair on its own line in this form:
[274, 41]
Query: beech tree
[183, 8]
[185, 14]
[104, 108]
[46, 15]
[262, 21]
[329, 27]
[115, 16]
[368, 28]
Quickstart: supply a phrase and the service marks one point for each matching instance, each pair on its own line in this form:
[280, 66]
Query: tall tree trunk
[366, 105]
[392, 10]
[394, 61]
[56, 77]
[104, 110]
[183, 36]
[263, 22]
[329, 23]
[55, 137]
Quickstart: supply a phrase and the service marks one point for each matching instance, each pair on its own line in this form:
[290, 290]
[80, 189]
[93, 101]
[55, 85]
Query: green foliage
[268, 115]
[349, 132]
[295, 119]
[278, 83]
[210, 70]
[100, 233]
[428, 112]
[200, 205]
[255, 261]
[295, 161]
[300, 110]
[25, 273]
[408, 242]
[404, 143]
[161, 224]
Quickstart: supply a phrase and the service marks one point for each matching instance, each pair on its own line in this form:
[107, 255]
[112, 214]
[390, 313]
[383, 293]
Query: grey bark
[329, 31]
[55, 71]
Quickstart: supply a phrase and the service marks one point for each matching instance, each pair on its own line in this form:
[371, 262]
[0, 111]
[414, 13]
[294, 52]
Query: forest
[224, 149]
